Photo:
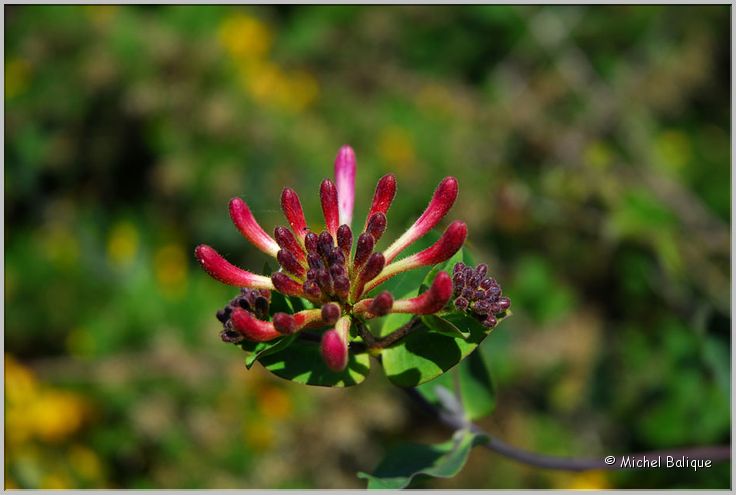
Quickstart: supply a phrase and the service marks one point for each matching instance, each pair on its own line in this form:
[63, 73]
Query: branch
[455, 421]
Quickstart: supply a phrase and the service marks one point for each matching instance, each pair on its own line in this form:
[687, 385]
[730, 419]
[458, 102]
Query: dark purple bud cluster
[478, 294]
[255, 301]
[327, 276]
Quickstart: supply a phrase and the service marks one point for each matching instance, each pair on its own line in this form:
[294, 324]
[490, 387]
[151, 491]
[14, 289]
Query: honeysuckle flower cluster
[336, 270]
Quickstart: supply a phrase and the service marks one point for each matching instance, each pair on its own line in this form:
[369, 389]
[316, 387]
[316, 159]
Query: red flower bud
[220, 269]
[293, 212]
[288, 261]
[345, 239]
[286, 285]
[363, 250]
[376, 225]
[252, 328]
[381, 304]
[249, 227]
[328, 197]
[430, 301]
[384, 195]
[442, 200]
[287, 241]
[310, 242]
[330, 313]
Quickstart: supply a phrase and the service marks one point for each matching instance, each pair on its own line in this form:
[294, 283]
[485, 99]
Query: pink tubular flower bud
[328, 197]
[442, 200]
[442, 250]
[376, 225]
[286, 240]
[286, 285]
[330, 313]
[289, 262]
[293, 212]
[246, 223]
[430, 301]
[345, 183]
[382, 198]
[334, 345]
[220, 269]
[252, 328]
[288, 324]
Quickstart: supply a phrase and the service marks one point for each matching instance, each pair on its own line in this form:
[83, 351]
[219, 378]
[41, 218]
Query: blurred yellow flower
[56, 480]
[396, 146]
[17, 77]
[274, 402]
[244, 36]
[33, 410]
[122, 244]
[171, 269]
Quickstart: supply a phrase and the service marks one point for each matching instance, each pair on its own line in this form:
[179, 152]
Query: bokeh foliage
[592, 149]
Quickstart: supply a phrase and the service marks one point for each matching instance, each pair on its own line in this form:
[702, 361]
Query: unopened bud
[330, 313]
[381, 304]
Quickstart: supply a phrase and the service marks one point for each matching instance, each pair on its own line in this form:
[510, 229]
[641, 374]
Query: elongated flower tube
[345, 181]
[248, 226]
[442, 250]
[328, 197]
[220, 269]
[442, 200]
[334, 345]
[252, 328]
[293, 212]
[431, 301]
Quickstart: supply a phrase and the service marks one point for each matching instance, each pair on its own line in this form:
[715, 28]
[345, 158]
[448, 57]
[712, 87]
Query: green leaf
[255, 350]
[301, 362]
[403, 463]
[425, 354]
[441, 325]
[472, 376]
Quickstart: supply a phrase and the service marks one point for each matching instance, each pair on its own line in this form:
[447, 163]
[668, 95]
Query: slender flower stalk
[345, 181]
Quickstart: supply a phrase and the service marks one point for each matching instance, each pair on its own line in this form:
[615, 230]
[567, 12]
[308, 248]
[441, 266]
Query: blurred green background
[593, 153]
